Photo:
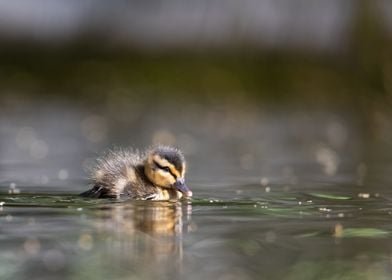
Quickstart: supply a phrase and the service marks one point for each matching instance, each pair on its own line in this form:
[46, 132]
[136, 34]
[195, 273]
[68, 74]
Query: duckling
[156, 174]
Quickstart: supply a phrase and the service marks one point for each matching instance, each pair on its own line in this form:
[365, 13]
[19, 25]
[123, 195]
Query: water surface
[242, 233]
[277, 195]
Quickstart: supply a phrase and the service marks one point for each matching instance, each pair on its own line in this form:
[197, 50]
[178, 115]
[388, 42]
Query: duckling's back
[120, 173]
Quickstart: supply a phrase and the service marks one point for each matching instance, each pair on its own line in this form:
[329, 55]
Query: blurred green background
[271, 51]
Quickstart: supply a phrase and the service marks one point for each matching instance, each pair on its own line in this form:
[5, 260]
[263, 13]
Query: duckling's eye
[167, 169]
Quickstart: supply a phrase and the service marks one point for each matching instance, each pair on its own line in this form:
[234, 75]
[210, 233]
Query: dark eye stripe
[157, 164]
[165, 168]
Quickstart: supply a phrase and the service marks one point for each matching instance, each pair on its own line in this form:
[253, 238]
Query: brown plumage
[157, 174]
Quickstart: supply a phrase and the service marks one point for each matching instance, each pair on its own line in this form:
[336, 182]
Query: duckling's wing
[98, 192]
[150, 197]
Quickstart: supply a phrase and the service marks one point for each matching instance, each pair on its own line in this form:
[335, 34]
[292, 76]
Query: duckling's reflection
[145, 231]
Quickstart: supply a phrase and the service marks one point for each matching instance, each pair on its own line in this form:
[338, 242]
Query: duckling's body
[157, 174]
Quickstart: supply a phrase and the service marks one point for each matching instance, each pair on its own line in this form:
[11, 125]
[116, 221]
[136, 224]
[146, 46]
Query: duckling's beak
[180, 185]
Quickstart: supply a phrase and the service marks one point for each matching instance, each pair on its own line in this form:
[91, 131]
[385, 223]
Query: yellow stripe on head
[165, 163]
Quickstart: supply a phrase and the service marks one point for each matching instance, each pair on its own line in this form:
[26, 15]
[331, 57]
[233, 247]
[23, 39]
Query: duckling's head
[165, 167]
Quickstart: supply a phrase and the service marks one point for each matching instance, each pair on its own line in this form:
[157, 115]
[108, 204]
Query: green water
[242, 232]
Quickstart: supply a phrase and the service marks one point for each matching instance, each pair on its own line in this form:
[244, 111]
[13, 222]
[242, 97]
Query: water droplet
[364, 195]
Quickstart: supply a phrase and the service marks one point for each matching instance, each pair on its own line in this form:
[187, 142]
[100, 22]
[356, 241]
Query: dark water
[277, 195]
[255, 235]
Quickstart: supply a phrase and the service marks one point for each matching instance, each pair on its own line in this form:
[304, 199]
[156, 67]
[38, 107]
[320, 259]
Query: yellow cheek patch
[174, 171]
